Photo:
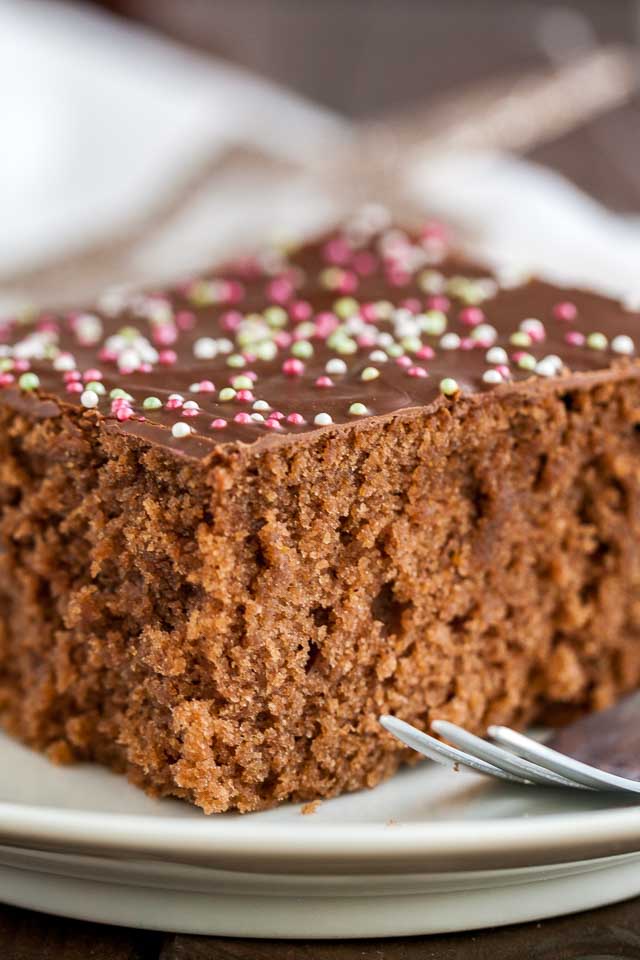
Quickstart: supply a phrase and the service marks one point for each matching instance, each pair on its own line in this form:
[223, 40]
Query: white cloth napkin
[102, 122]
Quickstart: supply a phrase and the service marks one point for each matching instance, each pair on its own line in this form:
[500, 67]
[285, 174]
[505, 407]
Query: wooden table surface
[598, 935]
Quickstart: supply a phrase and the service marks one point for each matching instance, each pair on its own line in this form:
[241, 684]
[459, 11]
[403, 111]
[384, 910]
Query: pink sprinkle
[575, 338]
[337, 250]
[364, 263]
[74, 387]
[231, 320]
[565, 311]
[190, 411]
[471, 316]
[218, 424]
[438, 302]
[280, 289]
[145, 368]
[468, 343]
[412, 304]
[276, 415]
[6, 379]
[518, 355]
[48, 324]
[186, 319]
[91, 374]
[272, 424]
[253, 376]
[249, 357]
[173, 403]
[300, 310]
[504, 371]
[167, 357]
[366, 340]
[124, 413]
[369, 312]
[293, 367]
[70, 375]
[324, 382]
[326, 323]
[107, 356]
[165, 335]
[348, 282]
[483, 343]
[234, 292]
[403, 362]
[426, 353]
[242, 418]
[118, 402]
[21, 365]
[282, 339]
[244, 396]
[206, 386]
[417, 372]
[295, 418]
[398, 278]
[434, 230]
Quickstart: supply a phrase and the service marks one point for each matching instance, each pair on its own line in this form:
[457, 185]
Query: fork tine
[501, 758]
[441, 752]
[565, 766]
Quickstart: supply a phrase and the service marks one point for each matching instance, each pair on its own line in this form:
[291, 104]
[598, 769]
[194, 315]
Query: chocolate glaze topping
[365, 322]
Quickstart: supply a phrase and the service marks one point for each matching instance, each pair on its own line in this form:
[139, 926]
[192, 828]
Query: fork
[509, 755]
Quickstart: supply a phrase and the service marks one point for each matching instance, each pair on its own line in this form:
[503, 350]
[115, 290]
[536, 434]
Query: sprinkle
[124, 413]
[261, 405]
[549, 366]
[520, 339]
[484, 333]
[266, 350]
[295, 418]
[242, 418]
[450, 341]
[92, 374]
[471, 316]
[258, 417]
[565, 311]
[417, 372]
[433, 322]
[272, 424]
[597, 341]
[119, 394]
[244, 396]
[190, 409]
[276, 415]
[276, 317]
[227, 393]
[29, 381]
[293, 367]
[575, 338]
[496, 355]
[64, 361]
[395, 350]
[236, 360]
[322, 419]
[346, 307]
[74, 387]
[336, 366]
[404, 362]
[622, 344]
[324, 382]
[369, 373]
[303, 349]
[241, 382]
[151, 403]
[97, 387]
[535, 329]
[526, 361]
[89, 399]
[180, 429]
[491, 376]
[206, 386]
[218, 424]
[358, 409]
[449, 386]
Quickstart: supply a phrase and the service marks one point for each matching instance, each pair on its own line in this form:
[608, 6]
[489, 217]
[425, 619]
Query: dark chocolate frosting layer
[366, 322]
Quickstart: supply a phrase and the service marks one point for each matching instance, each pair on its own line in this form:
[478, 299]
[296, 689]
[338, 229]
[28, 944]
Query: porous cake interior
[229, 630]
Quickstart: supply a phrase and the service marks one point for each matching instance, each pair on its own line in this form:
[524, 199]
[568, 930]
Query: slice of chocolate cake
[244, 517]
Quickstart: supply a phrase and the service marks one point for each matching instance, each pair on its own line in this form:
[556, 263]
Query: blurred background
[146, 138]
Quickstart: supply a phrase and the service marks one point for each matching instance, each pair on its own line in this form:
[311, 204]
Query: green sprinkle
[431, 281]
[597, 341]
[527, 362]
[358, 409]
[520, 339]
[411, 344]
[128, 333]
[119, 394]
[96, 386]
[29, 381]
[201, 294]
[346, 307]
[449, 386]
[6, 363]
[302, 349]
[276, 317]
[330, 277]
[241, 382]
[395, 350]
[236, 360]
[344, 345]
[266, 350]
[306, 329]
[433, 323]
[369, 373]
[151, 403]
[227, 393]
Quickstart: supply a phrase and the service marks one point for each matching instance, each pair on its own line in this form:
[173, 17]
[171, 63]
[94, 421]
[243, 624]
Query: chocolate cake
[244, 517]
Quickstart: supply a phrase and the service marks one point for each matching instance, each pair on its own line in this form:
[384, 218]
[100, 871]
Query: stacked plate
[429, 851]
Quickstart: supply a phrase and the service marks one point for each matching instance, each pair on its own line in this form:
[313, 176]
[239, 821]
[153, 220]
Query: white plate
[428, 851]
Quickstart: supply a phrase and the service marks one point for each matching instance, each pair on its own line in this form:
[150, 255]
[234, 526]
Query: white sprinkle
[336, 365]
[64, 361]
[191, 405]
[194, 388]
[484, 332]
[224, 345]
[89, 399]
[205, 348]
[257, 417]
[534, 327]
[180, 430]
[492, 376]
[622, 344]
[261, 405]
[450, 341]
[384, 339]
[378, 356]
[129, 360]
[496, 355]
[322, 419]
[549, 366]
